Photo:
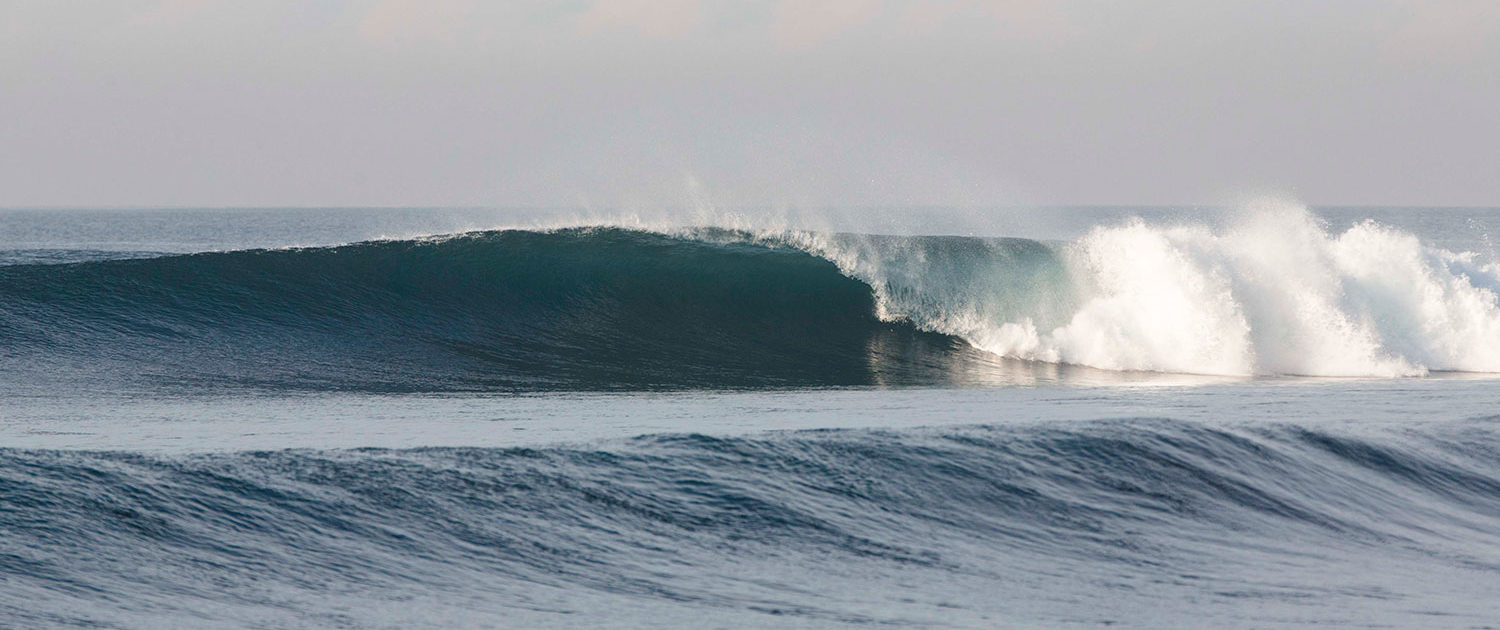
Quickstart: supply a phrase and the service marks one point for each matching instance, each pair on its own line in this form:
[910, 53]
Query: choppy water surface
[1230, 418]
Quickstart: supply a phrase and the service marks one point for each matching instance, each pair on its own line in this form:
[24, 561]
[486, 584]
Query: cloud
[660, 19]
[798, 25]
[444, 22]
[1444, 32]
[172, 13]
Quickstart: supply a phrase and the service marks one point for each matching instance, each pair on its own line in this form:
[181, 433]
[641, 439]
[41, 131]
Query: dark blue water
[262, 419]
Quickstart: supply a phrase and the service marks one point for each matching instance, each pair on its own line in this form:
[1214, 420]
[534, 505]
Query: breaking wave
[1277, 294]
[618, 308]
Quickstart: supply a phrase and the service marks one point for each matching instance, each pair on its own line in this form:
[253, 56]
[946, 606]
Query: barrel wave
[572, 309]
[1150, 522]
[608, 308]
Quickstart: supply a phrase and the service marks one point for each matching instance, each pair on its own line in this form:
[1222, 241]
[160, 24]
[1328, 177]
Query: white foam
[1277, 293]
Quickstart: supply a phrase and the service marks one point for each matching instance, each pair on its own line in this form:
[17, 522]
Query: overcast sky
[602, 103]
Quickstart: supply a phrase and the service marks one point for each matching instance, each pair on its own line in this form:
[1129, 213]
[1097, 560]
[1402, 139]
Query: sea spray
[1276, 293]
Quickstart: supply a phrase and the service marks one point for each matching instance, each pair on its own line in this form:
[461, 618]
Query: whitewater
[1257, 416]
[1276, 293]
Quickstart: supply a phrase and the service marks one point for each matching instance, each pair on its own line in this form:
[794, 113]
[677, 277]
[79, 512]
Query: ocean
[1250, 417]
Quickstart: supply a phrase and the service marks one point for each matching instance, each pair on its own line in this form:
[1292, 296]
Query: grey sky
[847, 102]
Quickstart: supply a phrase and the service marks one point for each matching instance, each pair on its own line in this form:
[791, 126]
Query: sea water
[1149, 417]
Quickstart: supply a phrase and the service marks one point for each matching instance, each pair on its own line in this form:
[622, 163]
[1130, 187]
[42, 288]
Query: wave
[577, 308]
[616, 308]
[1277, 293]
[1171, 522]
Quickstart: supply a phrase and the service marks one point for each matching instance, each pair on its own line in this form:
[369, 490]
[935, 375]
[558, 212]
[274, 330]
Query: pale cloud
[1446, 32]
[172, 13]
[50, 23]
[1041, 18]
[660, 19]
[801, 25]
[1037, 20]
[798, 24]
[407, 21]
[547, 27]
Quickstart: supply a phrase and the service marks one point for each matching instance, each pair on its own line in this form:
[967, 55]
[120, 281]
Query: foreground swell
[1152, 523]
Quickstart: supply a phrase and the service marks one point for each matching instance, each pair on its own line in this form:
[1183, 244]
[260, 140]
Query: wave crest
[613, 308]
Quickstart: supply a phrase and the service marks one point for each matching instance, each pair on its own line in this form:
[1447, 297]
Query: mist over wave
[1275, 293]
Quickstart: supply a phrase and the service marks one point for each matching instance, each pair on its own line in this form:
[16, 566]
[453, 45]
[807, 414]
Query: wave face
[1170, 523]
[579, 308]
[611, 308]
